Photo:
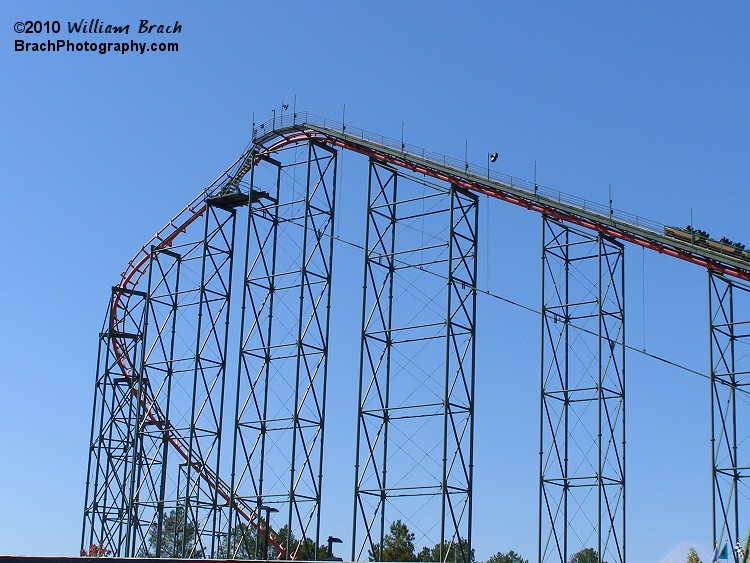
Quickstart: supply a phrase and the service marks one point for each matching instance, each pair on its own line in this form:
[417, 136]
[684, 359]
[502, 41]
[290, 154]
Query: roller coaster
[165, 359]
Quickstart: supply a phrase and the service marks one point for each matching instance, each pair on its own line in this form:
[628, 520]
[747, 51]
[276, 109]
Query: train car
[702, 238]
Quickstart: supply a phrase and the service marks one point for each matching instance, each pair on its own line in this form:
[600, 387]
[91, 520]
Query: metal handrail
[268, 128]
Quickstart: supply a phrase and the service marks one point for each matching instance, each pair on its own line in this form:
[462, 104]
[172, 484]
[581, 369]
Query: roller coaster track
[288, 130]
[118, 313]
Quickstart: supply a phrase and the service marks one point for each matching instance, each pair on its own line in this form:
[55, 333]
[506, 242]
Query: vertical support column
[203, 501]
[149, 487]
[305, 473]
[113, 424]
[416, 389]
[370, 467]
[251, 429]
[582, 416]
[280, 408]
[611, 439]
[730, 381]
[182, 392]
[458, 404]
[158, 404]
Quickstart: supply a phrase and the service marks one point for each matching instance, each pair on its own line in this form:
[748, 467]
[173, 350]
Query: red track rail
[341, 139]
[300, 133]
[129, 280]
[549, 211]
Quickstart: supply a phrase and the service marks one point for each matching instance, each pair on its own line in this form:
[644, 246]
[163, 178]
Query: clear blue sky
[98, 151]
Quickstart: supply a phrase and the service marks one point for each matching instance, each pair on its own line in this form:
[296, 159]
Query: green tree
[240, 544]
[398, 545]
[452, 552]
[692, 557]
[587, 555]
[510, 557]
[177, 537]
[306, 550]
[284, 538]
[302, 550]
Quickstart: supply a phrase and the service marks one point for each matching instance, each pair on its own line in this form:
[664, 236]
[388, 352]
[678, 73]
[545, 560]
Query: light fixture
[269, 510]
[331, 541]
[491, 157]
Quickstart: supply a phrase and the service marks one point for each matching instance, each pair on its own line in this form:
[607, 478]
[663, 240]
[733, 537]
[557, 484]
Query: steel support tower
[156, 436]
[283, 358]
[156, 430]
[729, 301]
[582, 435]
[113, 425]
[416, 389]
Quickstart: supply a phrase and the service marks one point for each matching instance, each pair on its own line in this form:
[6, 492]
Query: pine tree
[302, 550]
[692, 557]
[398, 545]
[451, 553]
[510, 557]
[587, 555]
[241, 543]
[177, 538]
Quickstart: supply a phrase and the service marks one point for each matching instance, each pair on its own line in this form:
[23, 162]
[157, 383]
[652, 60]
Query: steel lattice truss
[729, 301]
[159, 438]
[185, 327]
[416, 388]
[280, 408]
[582, 472]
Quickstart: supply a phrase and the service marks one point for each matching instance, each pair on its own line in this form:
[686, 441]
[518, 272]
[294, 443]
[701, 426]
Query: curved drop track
[302, 127]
